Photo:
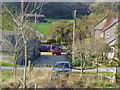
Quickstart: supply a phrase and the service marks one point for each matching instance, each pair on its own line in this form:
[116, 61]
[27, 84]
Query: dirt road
[47, 58]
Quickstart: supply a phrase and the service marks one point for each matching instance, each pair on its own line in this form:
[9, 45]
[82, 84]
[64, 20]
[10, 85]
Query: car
[56, 51]
[43, 48]
[48, 47]
[62, 67]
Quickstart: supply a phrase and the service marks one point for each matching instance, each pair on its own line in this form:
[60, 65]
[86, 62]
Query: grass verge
[6, 64]
[47, 79]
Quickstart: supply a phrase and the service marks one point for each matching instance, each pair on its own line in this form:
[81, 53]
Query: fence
[114, 71]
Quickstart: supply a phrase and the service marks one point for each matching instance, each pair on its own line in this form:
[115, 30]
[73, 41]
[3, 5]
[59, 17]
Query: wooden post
[51, 75]
[115, 75]
[29, 66]
[97, 63]
[1, 75]
[35, 85]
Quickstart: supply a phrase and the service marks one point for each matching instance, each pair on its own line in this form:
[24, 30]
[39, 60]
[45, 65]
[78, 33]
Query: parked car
[55, 45]
[43, 48]
[62, 67]
[48, 47]
[56, 51]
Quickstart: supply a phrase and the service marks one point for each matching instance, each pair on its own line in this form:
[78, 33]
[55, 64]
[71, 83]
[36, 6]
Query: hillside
[53, 9]
[64, 9]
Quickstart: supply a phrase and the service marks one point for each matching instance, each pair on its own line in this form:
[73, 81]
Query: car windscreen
[66, 65]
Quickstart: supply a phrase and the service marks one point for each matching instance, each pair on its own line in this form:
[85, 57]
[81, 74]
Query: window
[107, 35]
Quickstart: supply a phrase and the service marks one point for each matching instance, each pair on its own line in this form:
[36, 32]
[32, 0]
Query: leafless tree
[19, 20]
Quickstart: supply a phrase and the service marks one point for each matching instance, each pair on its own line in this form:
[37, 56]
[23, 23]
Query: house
[34, 18]
[11, 44]
[106, 29]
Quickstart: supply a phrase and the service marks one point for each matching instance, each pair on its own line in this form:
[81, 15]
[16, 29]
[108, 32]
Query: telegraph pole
[74, 28]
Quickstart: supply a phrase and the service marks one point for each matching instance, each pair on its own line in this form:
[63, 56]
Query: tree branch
[11, 15]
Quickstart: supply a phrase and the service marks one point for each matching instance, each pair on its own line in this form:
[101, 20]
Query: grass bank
[47, 79]
[6, 64]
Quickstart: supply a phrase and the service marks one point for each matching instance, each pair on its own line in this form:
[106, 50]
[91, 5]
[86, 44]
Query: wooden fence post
[115, 75]
[51, 75]
[29, 66]
[0, 75]
[35, 85]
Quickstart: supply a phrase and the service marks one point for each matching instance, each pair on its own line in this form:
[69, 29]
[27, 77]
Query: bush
[76, 62]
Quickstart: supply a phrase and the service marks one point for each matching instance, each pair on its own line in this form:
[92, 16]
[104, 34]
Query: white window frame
[107, 35]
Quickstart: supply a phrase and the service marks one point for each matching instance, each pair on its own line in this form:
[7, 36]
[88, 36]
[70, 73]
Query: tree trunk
[15, 66]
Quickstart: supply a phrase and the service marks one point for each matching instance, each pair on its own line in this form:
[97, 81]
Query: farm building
[34, 18]
[12, 47]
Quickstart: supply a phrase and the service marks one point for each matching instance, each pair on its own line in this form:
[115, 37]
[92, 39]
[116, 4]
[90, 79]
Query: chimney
[109, 18]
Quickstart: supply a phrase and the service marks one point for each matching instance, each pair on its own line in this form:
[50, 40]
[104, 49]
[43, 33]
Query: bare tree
[23, 26]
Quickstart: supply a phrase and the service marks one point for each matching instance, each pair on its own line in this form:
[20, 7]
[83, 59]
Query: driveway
[47, 58]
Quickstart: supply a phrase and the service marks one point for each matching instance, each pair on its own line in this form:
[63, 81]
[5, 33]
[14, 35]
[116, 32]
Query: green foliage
[64, 9]
[7, 21]
[52, 9]
[102, 7]
[76, 62]
[118, 78]
[58, 40]
[62, 29]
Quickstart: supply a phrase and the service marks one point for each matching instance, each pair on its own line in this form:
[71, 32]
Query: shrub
[76, 62]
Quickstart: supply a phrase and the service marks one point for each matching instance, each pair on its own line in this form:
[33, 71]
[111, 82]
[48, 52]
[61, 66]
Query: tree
[101, 7]
[60, 29]
[19, 19]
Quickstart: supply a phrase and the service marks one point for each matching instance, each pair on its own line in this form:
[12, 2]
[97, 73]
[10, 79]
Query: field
[54, 20]
[44, 28]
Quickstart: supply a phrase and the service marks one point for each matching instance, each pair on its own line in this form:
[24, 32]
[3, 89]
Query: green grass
[7, 74]
[107, 73]
[111, 74]
[118, 78]
[43, 28]
[5, 64]
[54, 20]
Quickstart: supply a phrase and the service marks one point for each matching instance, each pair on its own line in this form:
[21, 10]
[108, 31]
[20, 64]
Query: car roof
[43, 45]
[63, 62]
